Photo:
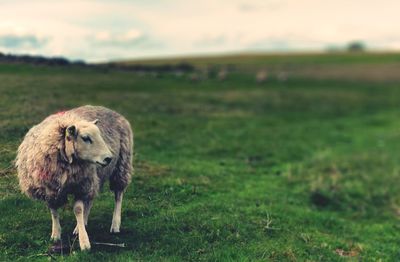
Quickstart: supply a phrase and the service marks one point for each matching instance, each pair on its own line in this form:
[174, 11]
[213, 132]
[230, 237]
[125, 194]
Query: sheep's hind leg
[80, 220]
[116, 221]
[56, 228]
[88, 205]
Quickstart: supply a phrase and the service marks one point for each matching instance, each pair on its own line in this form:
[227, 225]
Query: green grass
[224, 171]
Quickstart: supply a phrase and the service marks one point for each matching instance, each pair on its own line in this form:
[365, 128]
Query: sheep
[73, 153]
[282, 76]
[261, 76]
[222, 74]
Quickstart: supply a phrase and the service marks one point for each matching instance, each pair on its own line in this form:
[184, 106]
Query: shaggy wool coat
[45, 174]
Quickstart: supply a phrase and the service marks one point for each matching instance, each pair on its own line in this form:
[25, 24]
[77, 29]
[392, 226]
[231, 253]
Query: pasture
[302, 169]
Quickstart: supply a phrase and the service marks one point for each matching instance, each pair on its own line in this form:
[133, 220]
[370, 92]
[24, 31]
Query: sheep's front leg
[55, 228]
[116, 221]
[88, 205]
[80, 220]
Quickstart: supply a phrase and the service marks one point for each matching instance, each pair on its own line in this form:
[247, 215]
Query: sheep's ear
[69, 149]
[70, 132]
[67, 152]
[95, 121]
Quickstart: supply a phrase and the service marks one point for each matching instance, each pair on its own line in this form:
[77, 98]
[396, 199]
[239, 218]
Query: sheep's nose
[107, 160]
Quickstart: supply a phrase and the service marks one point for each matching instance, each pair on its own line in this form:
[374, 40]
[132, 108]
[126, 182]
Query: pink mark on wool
[43, 175]
[60, 113]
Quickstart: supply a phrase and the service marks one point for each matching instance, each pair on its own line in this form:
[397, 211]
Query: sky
[121, 29]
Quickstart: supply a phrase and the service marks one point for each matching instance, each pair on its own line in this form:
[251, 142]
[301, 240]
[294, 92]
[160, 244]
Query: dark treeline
[61, 61]
[38, 60]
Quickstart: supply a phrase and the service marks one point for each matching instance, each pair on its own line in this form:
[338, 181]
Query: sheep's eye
[87, 139]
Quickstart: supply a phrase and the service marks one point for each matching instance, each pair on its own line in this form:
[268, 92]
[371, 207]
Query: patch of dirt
[148, 169]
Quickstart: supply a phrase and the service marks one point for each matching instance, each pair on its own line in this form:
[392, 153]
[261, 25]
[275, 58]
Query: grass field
[305, 169]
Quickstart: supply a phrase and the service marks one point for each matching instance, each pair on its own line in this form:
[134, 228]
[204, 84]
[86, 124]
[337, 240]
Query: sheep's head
[83, 141]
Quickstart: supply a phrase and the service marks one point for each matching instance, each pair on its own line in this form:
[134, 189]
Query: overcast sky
[114, 29]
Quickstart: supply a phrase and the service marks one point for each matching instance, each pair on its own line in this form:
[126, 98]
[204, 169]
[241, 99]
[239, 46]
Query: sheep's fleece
[74, 152]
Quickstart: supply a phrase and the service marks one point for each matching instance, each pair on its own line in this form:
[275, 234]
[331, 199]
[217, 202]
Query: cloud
[16, 37]
[12, 41]
[208, 40]
[285, 42]
[105, 29]
[269, 5]
[111, 38]
[132, 38]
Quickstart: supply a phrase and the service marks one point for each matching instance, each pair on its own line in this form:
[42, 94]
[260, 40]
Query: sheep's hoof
[85, 246]
[115, 225]
[84, 243]
[55, 238]
[114, 229]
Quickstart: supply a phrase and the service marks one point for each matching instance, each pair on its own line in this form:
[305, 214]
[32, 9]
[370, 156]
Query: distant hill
[368, 66]
[276, 59]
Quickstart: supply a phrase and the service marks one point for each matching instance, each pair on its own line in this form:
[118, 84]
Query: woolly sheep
[74, 152]
[222, 74]
[261, 76]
